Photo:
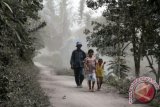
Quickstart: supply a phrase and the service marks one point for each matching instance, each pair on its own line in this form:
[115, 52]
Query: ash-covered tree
[108, 37]
[17, 50]
[127, 22]
[152, 41]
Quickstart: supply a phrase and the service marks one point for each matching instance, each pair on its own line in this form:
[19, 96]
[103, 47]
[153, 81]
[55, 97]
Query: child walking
[100, 73]
[90, 68]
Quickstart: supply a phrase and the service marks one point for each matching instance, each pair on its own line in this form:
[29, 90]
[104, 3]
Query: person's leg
[89, 84]
[81, 75]
[101, 81]
[76, 74]
[93, 80]
[89, 81]
[98, 83]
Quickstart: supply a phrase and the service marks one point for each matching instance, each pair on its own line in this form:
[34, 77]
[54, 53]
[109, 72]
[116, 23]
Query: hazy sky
[73, 9]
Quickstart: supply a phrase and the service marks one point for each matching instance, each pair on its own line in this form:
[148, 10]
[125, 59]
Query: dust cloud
[66, 21]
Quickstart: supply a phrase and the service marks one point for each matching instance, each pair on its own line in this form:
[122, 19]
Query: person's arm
[72, 59]
[84, 55]
[103, 65]
[85, 65]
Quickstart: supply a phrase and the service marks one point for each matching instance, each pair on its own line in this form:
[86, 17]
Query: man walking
[77, 64]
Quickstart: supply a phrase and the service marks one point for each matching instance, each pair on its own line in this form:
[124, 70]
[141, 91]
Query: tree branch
[151, 65]
[37, 28]
[126, 46]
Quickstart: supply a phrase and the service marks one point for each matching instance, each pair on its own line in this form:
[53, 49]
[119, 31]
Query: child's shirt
[99, 70]
[90, 65]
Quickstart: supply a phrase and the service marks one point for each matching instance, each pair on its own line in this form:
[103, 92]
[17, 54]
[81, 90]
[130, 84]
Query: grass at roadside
[121, 85]
[23, 88]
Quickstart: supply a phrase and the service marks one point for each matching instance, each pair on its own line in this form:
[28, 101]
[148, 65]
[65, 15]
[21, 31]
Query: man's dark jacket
[77, 59]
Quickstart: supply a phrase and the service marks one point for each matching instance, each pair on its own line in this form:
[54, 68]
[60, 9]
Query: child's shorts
[91, 77]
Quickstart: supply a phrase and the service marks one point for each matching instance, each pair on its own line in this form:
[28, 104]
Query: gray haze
[66, 20]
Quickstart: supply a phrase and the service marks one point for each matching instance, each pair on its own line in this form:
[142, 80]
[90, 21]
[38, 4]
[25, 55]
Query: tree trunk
[137, 68]
[137, 50]
[136, 56]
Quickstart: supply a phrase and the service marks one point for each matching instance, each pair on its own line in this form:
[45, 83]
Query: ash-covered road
[63, 93]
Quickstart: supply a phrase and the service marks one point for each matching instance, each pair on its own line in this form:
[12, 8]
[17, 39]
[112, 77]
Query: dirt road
[63, 93]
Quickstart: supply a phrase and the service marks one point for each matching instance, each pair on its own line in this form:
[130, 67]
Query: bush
[23, 89]
[18, 77]
[121, 84]
[111, 80]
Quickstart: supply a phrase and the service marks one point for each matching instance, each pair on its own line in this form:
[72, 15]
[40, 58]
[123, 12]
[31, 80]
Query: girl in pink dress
[90, 68]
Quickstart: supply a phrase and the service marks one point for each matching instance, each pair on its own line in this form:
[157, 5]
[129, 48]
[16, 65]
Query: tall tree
[126, 23]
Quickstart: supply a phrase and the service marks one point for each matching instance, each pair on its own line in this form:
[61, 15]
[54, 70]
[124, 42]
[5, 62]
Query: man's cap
[78, 43]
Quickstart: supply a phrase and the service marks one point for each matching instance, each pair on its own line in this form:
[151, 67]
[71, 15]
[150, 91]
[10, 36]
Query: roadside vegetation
[19, 85]
[132, 25]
